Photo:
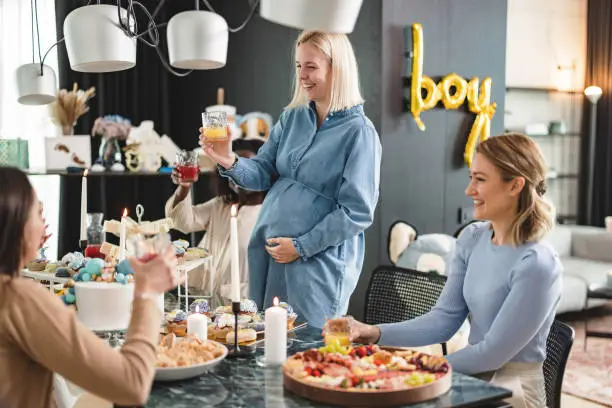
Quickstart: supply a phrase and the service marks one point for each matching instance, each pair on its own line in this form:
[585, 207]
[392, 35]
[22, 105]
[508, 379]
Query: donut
[244, 336]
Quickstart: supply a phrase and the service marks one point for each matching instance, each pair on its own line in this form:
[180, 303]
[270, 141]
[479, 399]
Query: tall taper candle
[83, 234]
[235, 274]
[123, 235]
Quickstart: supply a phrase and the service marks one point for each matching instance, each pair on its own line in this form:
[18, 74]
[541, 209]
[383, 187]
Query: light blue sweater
[510, 293]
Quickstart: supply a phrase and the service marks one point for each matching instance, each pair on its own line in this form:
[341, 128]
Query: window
[29, 122]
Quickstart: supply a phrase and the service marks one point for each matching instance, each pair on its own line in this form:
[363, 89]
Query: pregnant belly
[291, 209]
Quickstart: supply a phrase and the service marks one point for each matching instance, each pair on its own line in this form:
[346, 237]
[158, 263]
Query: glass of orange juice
[339, 338]
[337, 332]
[215, 126]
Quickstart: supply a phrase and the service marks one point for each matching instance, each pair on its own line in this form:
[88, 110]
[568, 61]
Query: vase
[95, 230]
[109, 153]
[68, 130]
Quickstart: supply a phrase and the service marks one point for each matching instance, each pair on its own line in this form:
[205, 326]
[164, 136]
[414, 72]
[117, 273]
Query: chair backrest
[558, 346]
[395, 294]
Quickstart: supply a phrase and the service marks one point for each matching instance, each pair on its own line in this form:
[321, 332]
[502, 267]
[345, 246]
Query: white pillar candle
[197, 325]
[275, 335]
[235, 260]
[122, 235]
[83, 234]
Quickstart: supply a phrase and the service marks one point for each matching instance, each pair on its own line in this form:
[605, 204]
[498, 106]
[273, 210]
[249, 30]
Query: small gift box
[14, 152]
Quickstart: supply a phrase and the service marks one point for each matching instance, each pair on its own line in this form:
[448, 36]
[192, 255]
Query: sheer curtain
[28, 122]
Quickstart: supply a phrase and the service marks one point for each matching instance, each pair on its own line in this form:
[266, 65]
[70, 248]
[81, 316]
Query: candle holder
[235, 350]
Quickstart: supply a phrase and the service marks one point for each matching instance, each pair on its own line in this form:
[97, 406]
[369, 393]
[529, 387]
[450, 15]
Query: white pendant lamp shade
[34, 88]
[95, 42]
[332, 16]
[197, 40]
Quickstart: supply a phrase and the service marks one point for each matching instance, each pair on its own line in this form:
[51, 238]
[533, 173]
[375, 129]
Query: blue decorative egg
[69, 298]
[94, 266]
[71, 290]
[121, 278]
[85, 277]
[124, 268]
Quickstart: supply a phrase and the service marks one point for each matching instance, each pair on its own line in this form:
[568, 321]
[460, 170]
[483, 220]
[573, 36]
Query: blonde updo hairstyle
[345, 90]
[516, 155]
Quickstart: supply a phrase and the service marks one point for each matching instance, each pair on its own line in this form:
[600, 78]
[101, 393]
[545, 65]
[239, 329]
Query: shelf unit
[530, 105]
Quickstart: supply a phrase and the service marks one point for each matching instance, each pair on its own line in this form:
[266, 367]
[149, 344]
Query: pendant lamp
[332, 16]
[197, 39]
[96, 42]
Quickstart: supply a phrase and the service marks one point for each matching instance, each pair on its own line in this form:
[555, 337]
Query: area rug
[588, 373]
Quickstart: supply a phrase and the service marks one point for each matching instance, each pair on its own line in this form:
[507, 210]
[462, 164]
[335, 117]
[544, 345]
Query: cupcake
[200, 306]
[248, 307]
[38, 265]
[291, 315]
[176, 322]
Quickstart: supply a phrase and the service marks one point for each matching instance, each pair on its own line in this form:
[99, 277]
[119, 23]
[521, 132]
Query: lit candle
[275, 335]
[235, 283]
[122, 235]
[197, 325]
[83, 235]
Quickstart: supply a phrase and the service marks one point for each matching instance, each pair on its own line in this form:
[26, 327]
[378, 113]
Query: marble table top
[240, 382]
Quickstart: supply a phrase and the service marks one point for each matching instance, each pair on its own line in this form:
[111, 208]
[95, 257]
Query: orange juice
[215, 133]
[339, 338]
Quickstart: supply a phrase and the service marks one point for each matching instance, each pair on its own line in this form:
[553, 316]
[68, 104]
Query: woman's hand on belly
[282, 250]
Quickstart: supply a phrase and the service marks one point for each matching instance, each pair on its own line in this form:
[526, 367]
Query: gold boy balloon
[479, 97]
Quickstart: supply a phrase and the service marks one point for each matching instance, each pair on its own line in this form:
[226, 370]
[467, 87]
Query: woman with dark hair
[40, 336]
[213, 217]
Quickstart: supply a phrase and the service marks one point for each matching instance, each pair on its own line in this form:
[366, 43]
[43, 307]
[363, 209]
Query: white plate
[183, 373]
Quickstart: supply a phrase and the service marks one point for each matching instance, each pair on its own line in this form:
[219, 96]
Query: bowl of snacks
[179, 358]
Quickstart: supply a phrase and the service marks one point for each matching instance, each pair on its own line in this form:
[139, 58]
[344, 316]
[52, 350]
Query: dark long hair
[228, 195]
[16, 201]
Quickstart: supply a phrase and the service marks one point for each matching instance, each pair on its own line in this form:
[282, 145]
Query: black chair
[558, 346]
[396, 294]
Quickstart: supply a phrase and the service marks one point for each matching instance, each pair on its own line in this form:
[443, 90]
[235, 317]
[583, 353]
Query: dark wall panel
[423, 174]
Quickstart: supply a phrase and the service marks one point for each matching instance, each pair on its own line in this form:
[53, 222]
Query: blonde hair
[516, 155]
[345, 91]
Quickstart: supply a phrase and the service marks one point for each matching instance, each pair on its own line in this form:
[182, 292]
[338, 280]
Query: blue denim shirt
[324, 186]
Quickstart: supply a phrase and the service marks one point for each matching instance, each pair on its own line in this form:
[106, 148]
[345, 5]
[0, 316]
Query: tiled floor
[569, 401]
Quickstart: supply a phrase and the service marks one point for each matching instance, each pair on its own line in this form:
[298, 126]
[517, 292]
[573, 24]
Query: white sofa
[586, 255]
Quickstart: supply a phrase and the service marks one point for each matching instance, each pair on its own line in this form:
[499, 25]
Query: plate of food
[186, 357]
[358, 375]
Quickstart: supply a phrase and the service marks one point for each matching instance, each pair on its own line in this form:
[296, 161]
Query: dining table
[244, 382]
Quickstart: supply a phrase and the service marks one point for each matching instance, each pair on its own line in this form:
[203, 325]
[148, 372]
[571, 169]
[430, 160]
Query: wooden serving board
[367, 398]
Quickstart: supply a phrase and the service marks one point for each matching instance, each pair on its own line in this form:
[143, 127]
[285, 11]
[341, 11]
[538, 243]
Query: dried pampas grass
[70, 106]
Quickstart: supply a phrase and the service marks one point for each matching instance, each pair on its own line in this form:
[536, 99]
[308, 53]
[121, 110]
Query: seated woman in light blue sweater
[502, 276]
